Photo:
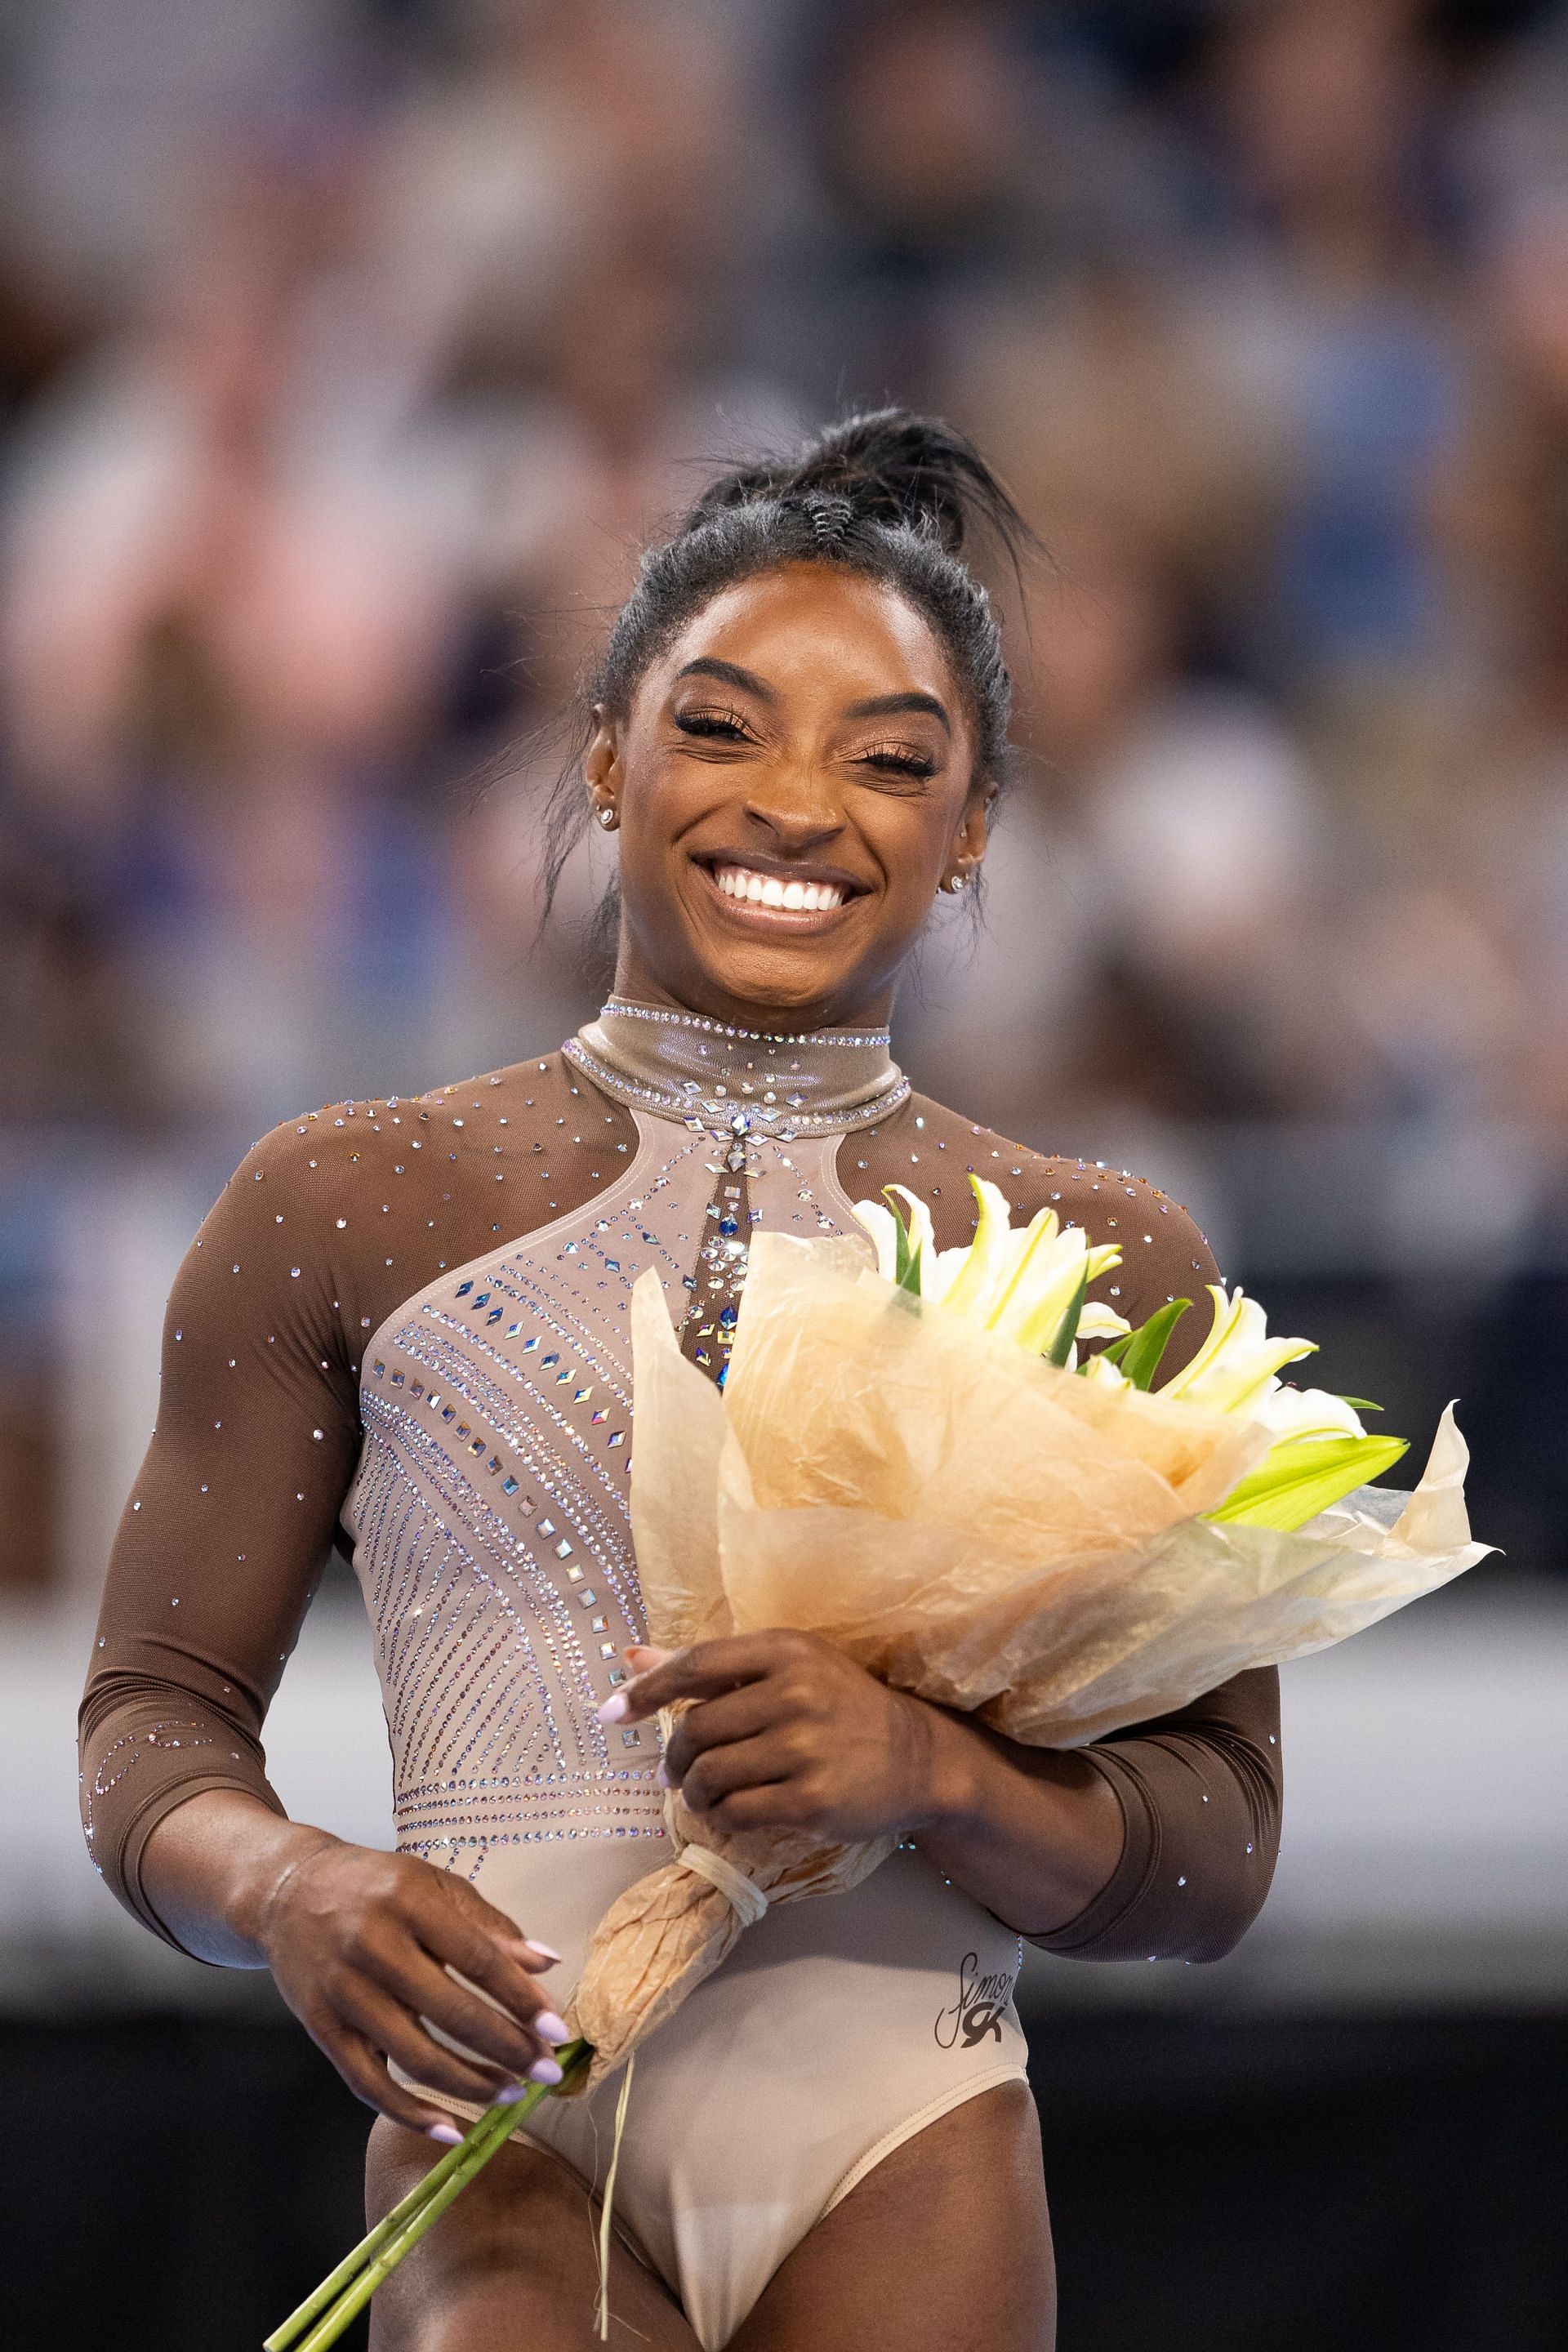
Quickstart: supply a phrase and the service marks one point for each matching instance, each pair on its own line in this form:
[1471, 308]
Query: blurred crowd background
[349, 350]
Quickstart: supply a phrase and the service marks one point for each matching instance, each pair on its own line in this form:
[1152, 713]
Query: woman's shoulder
[935, 1151]
[345, 1210]
[360, 1139]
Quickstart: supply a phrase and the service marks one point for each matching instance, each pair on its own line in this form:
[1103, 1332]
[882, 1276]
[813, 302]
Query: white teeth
[767, 890]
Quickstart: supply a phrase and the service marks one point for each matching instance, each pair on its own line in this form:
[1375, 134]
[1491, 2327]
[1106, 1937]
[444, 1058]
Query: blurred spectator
[1163, 844]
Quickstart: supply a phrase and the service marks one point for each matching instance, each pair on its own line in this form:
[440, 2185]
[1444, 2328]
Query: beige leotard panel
[375, 1327]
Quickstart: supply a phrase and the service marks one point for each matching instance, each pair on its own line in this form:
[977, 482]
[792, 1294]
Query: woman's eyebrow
[886, 705]
[731, 673]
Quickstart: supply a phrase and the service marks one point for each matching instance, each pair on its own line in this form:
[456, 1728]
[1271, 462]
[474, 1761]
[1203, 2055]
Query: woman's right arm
[219, 1550]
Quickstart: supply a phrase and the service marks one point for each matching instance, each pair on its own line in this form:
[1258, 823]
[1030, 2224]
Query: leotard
[404, 1327]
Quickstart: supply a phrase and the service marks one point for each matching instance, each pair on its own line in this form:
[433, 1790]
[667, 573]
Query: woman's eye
[724, 724]
[897, 759]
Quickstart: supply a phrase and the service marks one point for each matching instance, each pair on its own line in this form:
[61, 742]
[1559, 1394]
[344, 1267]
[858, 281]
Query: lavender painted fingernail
[445, 2133]
[544, 2070]
[615, 1707]
[551, 2028]
[661, 1779]
[510, 2094]
[544, 1950]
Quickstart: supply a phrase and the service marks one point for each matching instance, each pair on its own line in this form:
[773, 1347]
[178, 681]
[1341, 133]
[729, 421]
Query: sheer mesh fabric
[326, 1229]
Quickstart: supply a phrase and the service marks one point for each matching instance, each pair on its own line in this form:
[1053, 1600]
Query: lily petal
[882, 1226]
[1235, 1364]
[971, 1294]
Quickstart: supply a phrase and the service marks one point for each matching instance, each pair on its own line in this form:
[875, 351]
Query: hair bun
[888, 467]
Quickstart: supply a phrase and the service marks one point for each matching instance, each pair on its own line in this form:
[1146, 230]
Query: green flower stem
[387, 2227]
[356, 2278]
[487, 2138]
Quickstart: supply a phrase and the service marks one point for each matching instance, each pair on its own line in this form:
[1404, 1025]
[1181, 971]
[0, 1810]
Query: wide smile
[777, 898]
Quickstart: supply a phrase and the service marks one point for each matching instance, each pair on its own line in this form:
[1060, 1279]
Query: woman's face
[793, 783]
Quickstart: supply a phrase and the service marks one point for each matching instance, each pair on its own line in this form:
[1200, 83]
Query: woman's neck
[717, 1074]
[636, 984]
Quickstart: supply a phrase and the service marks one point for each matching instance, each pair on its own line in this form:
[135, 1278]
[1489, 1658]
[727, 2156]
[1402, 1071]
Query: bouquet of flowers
[910, 1459]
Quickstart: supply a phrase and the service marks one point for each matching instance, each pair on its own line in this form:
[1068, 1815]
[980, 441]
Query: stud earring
[607, 818]
[955, 882]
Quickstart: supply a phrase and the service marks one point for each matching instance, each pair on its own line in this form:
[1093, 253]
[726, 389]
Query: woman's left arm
[1158, 1843]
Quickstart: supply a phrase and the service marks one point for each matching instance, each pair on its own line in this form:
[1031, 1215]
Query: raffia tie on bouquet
[969, 1523]
[672, 1928]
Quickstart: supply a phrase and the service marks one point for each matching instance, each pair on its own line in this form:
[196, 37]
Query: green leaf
[1141, 1350]
[1067, 1329]
[906, 1262]
[1300, 1478]
[1360, 1404]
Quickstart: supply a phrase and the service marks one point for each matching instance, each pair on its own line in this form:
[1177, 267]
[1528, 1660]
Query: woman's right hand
[359, 1944]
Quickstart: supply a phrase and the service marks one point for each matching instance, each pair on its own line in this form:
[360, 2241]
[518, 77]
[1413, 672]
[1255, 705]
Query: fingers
[739, 1715]
[363, 2069]
[458, 1928]
[719, 1772]
[399, 2036]
[706, 1670]
[787, 1805]
[424, 1989]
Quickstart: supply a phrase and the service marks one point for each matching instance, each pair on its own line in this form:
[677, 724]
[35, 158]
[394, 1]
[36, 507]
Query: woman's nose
[797, 811]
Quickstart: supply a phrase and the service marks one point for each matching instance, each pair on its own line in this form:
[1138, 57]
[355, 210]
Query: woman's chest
[491, 1512]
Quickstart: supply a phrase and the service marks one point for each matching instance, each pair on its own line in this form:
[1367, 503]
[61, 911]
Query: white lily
[1291, 1413]
[1235, 1365]
[1022, 1281]
[1018, 1281]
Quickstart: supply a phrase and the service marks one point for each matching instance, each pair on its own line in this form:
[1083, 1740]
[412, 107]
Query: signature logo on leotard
[978, 2012]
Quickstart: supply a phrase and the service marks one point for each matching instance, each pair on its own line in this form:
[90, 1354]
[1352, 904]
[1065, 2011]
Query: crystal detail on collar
[739, 1083]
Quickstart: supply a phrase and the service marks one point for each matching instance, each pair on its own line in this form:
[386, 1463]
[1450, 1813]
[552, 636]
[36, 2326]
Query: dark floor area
[1264, 2185]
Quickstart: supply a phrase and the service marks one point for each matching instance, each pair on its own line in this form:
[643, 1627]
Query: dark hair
[888, 495]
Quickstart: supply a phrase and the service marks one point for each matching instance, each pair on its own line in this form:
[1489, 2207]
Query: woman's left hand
[788, 1733]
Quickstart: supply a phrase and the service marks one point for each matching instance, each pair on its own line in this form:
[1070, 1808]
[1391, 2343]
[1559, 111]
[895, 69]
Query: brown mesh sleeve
[1200, 1792]
[1200, 1789]
[229, 1522]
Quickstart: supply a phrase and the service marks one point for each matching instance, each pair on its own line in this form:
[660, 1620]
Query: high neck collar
[682, 1066]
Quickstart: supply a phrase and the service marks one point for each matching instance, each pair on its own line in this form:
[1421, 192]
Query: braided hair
[888, 495]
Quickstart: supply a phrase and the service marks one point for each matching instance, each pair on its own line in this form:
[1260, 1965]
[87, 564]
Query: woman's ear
[969, 842]
[601, 767]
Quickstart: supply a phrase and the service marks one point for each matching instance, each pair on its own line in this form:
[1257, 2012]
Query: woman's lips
[802, 901]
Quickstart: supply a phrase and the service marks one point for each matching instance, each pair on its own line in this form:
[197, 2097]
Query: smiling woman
[404, 1327]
